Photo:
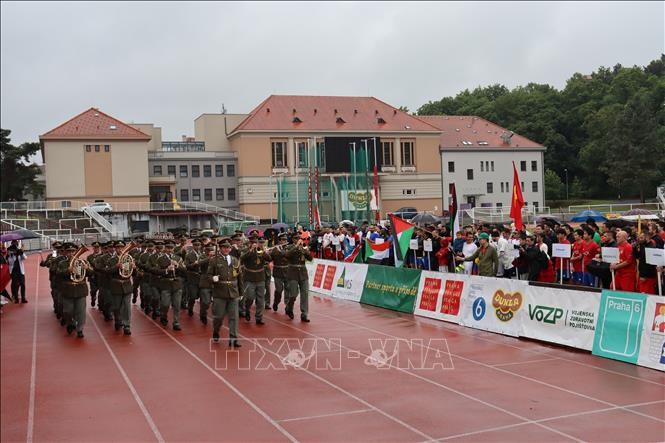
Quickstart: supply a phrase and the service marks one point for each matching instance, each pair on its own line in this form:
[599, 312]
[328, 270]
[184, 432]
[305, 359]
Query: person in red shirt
[576, 258]
[624, 271]
[589, 251]
[444, 253]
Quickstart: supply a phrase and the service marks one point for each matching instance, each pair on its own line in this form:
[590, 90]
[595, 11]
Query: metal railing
[615, 207]
[75, 220]
[101, 221]
[24, 221]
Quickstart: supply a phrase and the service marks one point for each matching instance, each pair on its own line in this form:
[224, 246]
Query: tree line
[606, 129]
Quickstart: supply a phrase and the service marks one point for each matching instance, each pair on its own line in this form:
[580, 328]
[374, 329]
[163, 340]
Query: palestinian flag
[354, 256]
[377, 251]
[402, 232]
[454, 214]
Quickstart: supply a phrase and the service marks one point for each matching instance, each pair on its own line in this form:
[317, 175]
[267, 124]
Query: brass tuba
[126, 261]
[78, 265]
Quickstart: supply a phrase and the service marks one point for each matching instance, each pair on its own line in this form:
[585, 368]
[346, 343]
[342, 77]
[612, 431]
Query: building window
[387, 153]
[96, 148]
[534, 165]
[219, 170]
[451, 166]
[196, 195]
[207, 171]
[88, 148]
[534, 186]
[279, 154]
[522, 187]
[230, 170]
[196, 171]
[301, 151]
[407, 154]
[490, 188]
[107, 148]
[523, 165]
[183, 170]
[507, 187]
[184, 195]
[469, 174]
[482, 167]
[535, 205]
[157, 170]
[171, 169]
[492, 165]
[321, 155]
[499, 205]
[487, 166]
[207, 194]
[231, 193]
[219, 194]
[450, 188]
[502, 187]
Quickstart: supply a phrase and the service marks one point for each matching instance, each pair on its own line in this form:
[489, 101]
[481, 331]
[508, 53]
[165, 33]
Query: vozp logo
[545, 314]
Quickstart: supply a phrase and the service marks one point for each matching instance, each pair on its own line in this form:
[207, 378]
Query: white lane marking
[336, 414]
[33, 367]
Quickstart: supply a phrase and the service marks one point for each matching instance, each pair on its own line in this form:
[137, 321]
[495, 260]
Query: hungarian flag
[402, 232]
[517, 202]
[454, 215]
[377, 251]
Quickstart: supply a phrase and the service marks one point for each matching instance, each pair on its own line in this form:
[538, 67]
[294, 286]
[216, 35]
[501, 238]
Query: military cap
[236, 237]
[159, 242]
[109, 244]
[210, 247]
[69, 247]
[225, 243]
[283, 236]
[196, 241]
[262, 240]
[95, 244]
[205, 234]
[149, 243]
[253, 239]
[119, 244]
[169, 243]
[56, 245]
[238, 231]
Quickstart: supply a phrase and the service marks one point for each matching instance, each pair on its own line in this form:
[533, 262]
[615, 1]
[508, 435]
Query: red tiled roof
[94, 124]
[457, 129]
[326, 113]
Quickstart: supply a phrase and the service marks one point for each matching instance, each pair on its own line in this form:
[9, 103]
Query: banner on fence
[349, 281]
[323, 277]
[652, 346]
[392, 288]
[439, 295]
[560, 316]
[494, 304]
[620, 321]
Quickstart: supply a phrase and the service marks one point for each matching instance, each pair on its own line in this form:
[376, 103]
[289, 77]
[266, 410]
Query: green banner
[619, 327]
[392, 288]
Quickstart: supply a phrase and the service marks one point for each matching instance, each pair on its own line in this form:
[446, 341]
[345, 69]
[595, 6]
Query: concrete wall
[65, 172]
[212, 129]
[154, 131]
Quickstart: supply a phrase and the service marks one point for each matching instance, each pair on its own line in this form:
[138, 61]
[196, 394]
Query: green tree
[554, 187]
[16, 175]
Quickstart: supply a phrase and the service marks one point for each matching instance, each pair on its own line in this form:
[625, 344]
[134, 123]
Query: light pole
[566, 171]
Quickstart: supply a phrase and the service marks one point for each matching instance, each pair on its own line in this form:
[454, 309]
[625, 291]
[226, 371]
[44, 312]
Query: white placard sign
[335, 241]
[427, 245]
[561, 250]
[655, 256]
[610, 255]
[413, 244]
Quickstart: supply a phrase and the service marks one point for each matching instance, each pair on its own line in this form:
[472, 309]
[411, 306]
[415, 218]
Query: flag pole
[377, 216]
[295, 145]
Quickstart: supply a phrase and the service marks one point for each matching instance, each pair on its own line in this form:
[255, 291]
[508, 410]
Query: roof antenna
[223, 109]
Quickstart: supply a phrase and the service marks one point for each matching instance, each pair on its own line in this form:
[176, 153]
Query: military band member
[254, 260]
[170, 269]
[280, 265]
[105, 300]
[194, 270]
[73, 292]
[155, 279]
[181, 249]
[51, 263]
[205, 285]
[298, 278]
[92, 276]
[136, 277]
[236, 250]
[224, 273]
[267, 278]
[121, 288]
[147, 291]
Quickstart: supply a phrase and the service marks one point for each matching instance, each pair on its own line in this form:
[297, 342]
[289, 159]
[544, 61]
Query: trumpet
[173, 266]
[78, 265]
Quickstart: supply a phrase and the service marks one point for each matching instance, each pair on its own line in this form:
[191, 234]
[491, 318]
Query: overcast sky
[167, 63]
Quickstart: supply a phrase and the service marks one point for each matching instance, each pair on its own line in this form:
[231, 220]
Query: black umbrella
[548, 220]
[424, 218]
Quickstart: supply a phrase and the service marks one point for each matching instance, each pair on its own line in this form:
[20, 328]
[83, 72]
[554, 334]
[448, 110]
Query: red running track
[161, 385]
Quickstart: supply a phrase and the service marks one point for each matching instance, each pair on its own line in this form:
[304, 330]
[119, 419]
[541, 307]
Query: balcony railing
[183, 146]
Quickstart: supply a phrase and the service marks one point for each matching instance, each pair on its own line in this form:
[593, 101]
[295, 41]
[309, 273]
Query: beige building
[95, 157]
[272, 144]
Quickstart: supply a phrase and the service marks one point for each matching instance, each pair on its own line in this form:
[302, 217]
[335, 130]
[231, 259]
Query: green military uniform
[155, 279]
[280, 265]
[146, 277]
[170, 284]
[121, 291]
[104, 281]
[268, 278]
[92, 276]
[73, 295]
[51, 263]
[253, 263]
[224, 273]
[136, 276]
[181, 251]
[194, 270]
[205, 285]
[298, 279]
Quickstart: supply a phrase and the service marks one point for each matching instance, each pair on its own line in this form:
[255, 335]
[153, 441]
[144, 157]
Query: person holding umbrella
[17, 268]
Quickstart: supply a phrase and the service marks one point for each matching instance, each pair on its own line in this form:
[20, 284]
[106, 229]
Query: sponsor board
[349, 281]
[392, 288]
[619, 329]
[494, 304]
[560, 316]
[652, 345]
[439, 295]
[322, 278]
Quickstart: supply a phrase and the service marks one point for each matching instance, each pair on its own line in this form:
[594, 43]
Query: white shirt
[505, 253]
[327, 239]
[468, 250]
[11, 259]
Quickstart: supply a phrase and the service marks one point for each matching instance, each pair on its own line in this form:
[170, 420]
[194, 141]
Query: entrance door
[471, 200]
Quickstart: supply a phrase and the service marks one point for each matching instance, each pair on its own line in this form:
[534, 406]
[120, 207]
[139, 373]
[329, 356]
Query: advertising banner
[349, 281]
[440, 295]
[560, 316]
[357, 200]
[652, 346]
[620, 322]
[494, 304]
[323, 276]
[391, 288]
